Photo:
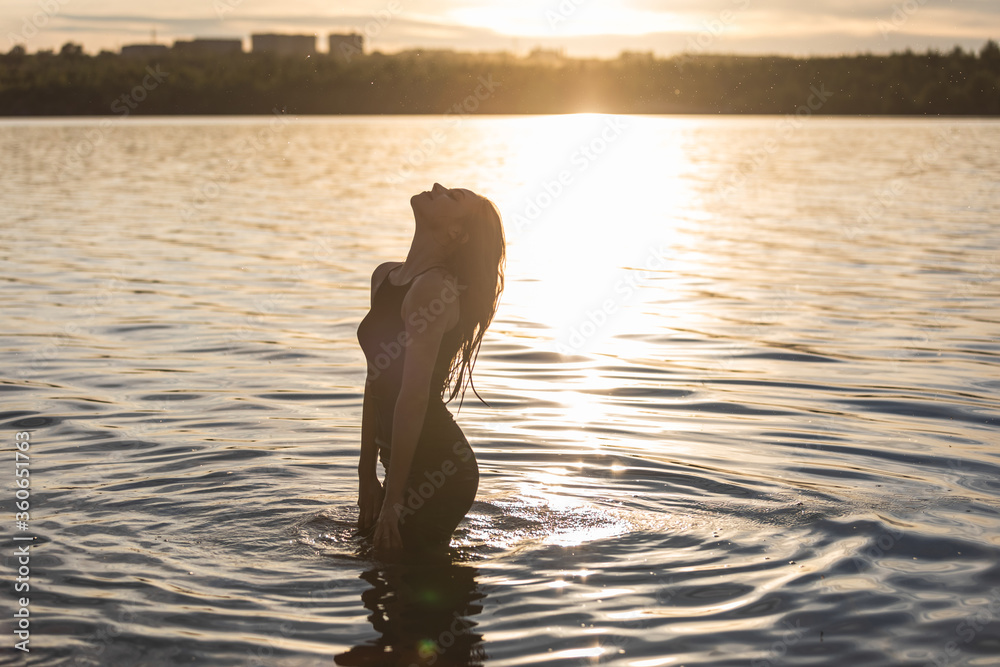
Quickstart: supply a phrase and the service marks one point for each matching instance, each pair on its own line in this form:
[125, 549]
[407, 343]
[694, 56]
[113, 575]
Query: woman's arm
[370, 491]
[424, 331]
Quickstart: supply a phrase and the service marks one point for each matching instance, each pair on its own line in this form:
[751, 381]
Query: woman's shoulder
[435, 279]
[382, 270]
[437, 291]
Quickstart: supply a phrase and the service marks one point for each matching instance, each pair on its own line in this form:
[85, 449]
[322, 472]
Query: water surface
[743, 391]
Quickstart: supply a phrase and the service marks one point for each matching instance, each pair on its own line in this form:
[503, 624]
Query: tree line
[71, 82]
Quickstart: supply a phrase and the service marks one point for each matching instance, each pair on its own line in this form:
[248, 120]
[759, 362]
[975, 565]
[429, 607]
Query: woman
[423, 332]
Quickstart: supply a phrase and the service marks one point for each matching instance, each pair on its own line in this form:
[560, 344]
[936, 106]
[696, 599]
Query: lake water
[743, 387]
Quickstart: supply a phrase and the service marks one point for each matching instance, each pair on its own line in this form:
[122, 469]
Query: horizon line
[553, 52]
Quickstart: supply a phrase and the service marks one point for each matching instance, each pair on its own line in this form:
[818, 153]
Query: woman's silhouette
[423, 333]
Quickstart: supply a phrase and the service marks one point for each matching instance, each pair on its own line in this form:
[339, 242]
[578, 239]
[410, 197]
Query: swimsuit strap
[435, 266]
[385, 278]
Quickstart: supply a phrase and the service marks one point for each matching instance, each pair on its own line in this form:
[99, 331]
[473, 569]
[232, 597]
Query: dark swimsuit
[444, 476]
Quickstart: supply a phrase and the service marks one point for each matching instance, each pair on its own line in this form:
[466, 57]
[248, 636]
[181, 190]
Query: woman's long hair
[478, 264]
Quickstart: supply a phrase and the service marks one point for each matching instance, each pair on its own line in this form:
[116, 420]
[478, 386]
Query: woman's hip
[444, 453]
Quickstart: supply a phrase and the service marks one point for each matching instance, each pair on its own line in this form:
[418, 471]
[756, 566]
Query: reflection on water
[742, 386]
[423, 613]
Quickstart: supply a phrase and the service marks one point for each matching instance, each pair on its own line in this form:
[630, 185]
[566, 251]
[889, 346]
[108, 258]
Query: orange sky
[581, 27]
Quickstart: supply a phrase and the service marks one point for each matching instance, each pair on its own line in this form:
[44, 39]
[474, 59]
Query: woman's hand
[370, 497]
[387, 538]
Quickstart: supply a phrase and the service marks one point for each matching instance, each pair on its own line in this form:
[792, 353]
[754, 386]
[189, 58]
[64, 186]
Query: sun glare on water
[593, 226]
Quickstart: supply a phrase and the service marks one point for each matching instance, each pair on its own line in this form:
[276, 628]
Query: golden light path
[598, 222]
[610, 222]
[594, 223]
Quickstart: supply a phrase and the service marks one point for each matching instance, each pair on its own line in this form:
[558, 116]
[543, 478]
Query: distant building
[213, 46]
[285, 45]
[547, 56]
[637, 56]
[144, 50]
[345, 47]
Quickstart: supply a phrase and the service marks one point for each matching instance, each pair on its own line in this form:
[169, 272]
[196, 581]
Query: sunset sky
[582, 27]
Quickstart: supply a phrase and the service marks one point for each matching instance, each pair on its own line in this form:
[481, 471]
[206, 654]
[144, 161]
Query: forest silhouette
[71, 82]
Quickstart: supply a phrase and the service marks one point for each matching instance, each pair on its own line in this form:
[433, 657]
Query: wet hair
[478, 264]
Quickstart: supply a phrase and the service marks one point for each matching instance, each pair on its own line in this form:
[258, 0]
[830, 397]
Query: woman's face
[441, 206]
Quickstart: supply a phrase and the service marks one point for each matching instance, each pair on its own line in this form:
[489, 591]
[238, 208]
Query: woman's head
[470, 229]
[443, 213]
